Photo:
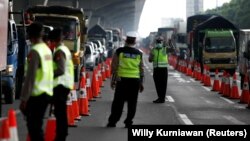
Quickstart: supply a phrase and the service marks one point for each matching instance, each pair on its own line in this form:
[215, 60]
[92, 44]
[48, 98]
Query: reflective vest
[67, 79]
[129, 65]
[160, 57]
[43, 75]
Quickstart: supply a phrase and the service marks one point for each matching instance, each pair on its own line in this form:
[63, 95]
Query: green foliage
[237, 11]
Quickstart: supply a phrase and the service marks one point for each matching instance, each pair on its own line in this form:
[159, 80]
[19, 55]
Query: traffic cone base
[50, 129]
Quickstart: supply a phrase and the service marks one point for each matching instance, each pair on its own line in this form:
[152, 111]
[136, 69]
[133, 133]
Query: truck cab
[219, 50]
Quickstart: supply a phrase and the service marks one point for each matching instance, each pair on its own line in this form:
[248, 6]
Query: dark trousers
[160, 76]
[35, 111]
[127, 89]
[59, 101]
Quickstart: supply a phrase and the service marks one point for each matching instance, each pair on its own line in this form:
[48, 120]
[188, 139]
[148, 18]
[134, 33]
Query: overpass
[124, 14]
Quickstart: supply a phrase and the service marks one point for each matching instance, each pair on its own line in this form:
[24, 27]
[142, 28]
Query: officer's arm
[59, 60]
[142, 69]
[114, 63]
[33, 65]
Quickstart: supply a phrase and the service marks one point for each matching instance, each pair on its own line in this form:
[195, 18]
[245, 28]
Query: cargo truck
[215, 43]
[72, 21]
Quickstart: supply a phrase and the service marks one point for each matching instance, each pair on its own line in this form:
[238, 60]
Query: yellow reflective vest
[160, 57]
[67, 79]
[43, 75]
[129, 65]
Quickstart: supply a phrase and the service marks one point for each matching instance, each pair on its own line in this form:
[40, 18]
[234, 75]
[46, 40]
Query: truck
[72, 21]
[17, 50]
[3, 41]
[244, 54]
[215, 43]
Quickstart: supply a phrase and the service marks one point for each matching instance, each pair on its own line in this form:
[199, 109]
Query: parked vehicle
[244, 54]
[73, 23]
[91, 57]
[214, 43]
[3, 37]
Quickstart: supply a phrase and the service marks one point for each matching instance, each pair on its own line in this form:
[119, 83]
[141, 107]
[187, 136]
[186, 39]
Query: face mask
[159, 45]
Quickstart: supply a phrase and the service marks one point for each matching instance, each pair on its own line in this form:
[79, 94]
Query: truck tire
[9, 95]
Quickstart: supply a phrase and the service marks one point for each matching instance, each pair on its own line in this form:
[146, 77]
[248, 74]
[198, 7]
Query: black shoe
[159, 101]
[128, 125]
[111, 125]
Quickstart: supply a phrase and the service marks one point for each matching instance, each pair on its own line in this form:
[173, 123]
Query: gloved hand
[113, 84]
[141, 88]
[22, 107]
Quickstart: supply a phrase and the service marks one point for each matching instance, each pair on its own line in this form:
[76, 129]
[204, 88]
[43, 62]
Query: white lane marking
[227, 100]
[234, 120]
[151, 73]
[149, 70]
[207, 89]
[207, 101]
[191, 79]
[169, 98]
[185, 119]
[240, 107]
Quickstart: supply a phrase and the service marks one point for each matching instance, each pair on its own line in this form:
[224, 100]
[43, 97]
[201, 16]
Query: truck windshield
[68, 25]
[220, 44]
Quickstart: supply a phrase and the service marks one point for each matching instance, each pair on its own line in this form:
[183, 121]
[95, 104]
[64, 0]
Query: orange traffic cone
[226, 91]
[216, 85]
[207, 79]
[13, 125]
[107, 69]
[103, 72]
[70, 114]
[95, 84]
[235, 90]
[75, 105]
[244, 98]
[223, 80]
[5, 132]
[50, 130]
[204, 75]
[83, 101]
[99, 72]
[89, 90]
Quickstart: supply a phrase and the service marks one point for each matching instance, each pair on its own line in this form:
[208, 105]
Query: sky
[155, 10]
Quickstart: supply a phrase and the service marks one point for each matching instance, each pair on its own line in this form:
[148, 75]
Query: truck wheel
[9, 95]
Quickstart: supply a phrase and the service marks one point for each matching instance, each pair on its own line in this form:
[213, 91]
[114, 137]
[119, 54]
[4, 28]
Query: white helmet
[132, 34]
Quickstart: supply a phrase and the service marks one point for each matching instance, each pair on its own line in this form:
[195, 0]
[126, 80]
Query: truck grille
[220, 60]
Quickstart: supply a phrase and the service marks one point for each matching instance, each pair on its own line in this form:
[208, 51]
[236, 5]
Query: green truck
[214, 42]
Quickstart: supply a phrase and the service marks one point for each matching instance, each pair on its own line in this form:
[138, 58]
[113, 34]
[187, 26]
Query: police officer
[63, 82]
[158, 56]
[38, 85]
[127, 71]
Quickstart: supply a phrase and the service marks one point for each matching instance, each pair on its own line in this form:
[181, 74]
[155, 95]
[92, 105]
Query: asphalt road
[188, 102]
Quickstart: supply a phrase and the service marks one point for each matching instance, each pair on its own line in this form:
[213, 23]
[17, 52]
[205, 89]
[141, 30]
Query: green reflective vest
[44, 75]
[129, 65]
[160, 58]
[67, 79]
